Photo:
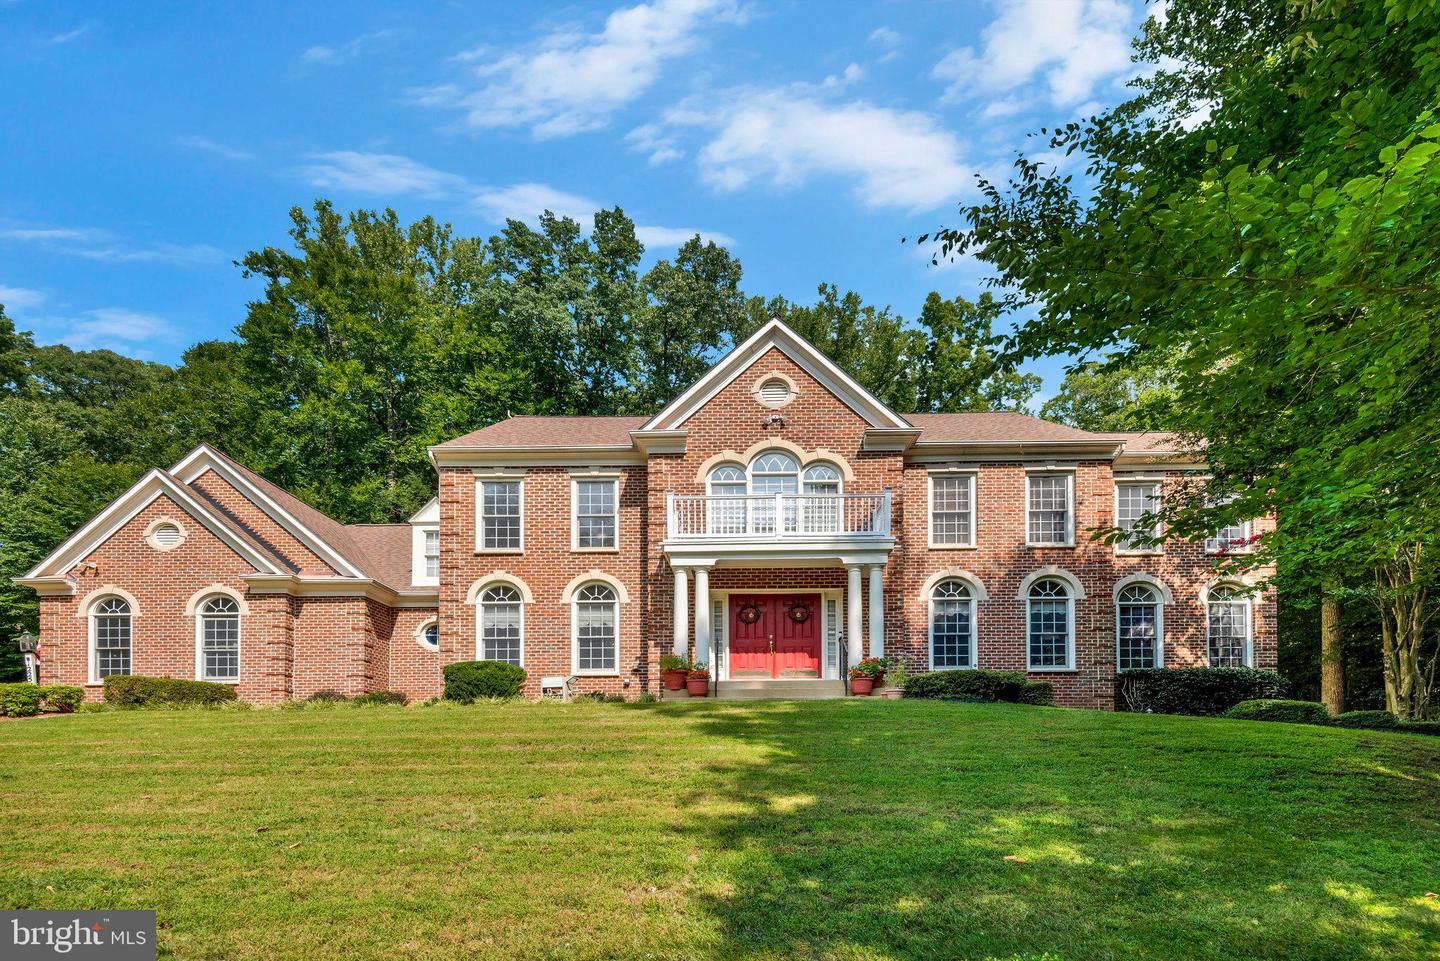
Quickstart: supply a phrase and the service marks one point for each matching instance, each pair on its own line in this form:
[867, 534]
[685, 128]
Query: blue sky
[148, 147]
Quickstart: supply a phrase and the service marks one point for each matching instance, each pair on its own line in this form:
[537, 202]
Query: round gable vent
[775, 391]
[165, 535]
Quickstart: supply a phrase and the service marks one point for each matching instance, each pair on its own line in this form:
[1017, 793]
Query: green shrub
[21, 699]
[1421, 727]
[1195, 690]
[135, 690]
[327, 696]
[1291, 712]
[967, 685]
[381, 697]
[468, 680]
[1367, 720]
[1039, 693]
[61, 698]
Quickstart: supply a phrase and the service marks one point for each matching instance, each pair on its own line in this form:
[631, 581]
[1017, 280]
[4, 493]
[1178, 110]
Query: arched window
[1051, 626]
[502, 626]
[821, 510]
[952, 626]
[219, 639]
[1137, 628]
[726, 516]
[429, 636]
[774, 472]
[596, 621]
[110, 635]
[1229, 628]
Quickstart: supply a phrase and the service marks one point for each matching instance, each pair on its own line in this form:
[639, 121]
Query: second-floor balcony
[778, 517]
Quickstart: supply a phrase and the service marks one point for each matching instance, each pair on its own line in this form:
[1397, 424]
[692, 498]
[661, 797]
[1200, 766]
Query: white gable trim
[775, 334]
[429, 514]
[204, 458]
[124, 508]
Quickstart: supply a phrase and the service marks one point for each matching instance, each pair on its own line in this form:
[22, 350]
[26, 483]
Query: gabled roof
[559, 432]
[155, 484]
[995, 427]
[775, 335]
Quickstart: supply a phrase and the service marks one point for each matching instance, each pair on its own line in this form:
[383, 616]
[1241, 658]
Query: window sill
[954, 547]
[594, 550]
[212, 680]
[595, 673]
[1120, 553]
[1052, 670]
[499, 550]
[1216, 553]
[1069, 545]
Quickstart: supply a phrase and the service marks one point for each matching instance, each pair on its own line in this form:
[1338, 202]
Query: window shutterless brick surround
[355, 622]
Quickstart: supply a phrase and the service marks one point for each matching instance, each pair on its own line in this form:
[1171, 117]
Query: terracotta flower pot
[698, 686]
[862, 685]
[893, 692]
[674, 679]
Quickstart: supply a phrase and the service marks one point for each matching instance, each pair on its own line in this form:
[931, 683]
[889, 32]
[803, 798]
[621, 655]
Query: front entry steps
[801, 689]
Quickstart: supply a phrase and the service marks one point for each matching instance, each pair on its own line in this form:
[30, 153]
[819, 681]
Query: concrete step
[808, 689]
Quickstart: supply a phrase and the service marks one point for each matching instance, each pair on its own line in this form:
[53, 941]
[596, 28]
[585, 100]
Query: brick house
[775, 521]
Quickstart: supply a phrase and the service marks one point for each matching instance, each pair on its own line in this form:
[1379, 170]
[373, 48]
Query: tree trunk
[1402, 598]
[1332, 655]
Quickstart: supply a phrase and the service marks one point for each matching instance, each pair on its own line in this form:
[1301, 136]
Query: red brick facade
[308, 623]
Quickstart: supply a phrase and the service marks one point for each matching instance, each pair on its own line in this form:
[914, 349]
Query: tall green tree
[1097, 396]
[964, 367]
[1264, 213]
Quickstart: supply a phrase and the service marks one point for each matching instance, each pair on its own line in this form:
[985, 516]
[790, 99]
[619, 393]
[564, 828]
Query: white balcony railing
[778, 516]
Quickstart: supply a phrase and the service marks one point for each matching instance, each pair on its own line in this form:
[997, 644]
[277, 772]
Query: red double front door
[774, 635]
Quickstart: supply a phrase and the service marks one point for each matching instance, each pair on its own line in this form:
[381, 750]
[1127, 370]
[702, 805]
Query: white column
[877, 611]
[681, 610]
[853, 638]
[702, 617]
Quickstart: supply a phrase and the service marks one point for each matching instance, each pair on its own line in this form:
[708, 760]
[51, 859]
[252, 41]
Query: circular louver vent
[774, 393]
[166, 536]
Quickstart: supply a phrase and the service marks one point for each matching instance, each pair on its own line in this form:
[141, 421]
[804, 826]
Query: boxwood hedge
[969, 685]
[1293, 712]
[23, 699]
[1195, 690]
[136, 690]
[467, 681]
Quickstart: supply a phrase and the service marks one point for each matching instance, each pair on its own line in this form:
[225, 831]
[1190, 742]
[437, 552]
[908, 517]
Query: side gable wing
[124, 508]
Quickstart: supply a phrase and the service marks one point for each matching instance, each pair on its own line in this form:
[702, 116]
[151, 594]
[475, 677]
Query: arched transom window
[596, 618]
[952, 626]
[1137, 628]
[110, 637]
[502, 625]
[219, 637]
[1050, 626]
[774, 472]
[1229, 628]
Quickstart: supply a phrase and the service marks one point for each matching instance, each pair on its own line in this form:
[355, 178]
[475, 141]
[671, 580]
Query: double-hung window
[1228, 628]
[596, 624]
[1050, 514]
[1051, 628]
[1136, 503]
[432, 554]
[501, 521]
[219, 641]
[952, 510]
[1137, 628]
[597, 514]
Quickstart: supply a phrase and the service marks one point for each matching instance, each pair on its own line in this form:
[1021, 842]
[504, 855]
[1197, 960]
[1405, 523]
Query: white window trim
[1246, 601]
[200, 643]
[1159, 604]
[420, 635]
[480, 481]
[1069, 474]
[974, 510]
[1154, 482]
[94, 600]
[575, 479]
[974, 628]
[480, 618]
[1247, 528]
[575, 602]
[1069, 665]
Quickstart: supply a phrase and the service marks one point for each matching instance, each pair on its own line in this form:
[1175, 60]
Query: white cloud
[885, 37]
[74, 33]
[1069, 47]
[527, 201]
[18, 299]
[120, 329]
[675, 236]
[652, 139]
[786, 137]
[571, 81]
[379, 173]
[94, 243]
[206, 145]
[322, 55]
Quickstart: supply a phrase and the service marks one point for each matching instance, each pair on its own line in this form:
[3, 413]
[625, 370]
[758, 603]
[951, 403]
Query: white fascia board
[546, 456]
[203, 458]
[124, 509]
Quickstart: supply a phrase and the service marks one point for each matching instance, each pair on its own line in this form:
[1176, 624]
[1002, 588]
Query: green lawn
[845, 829]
